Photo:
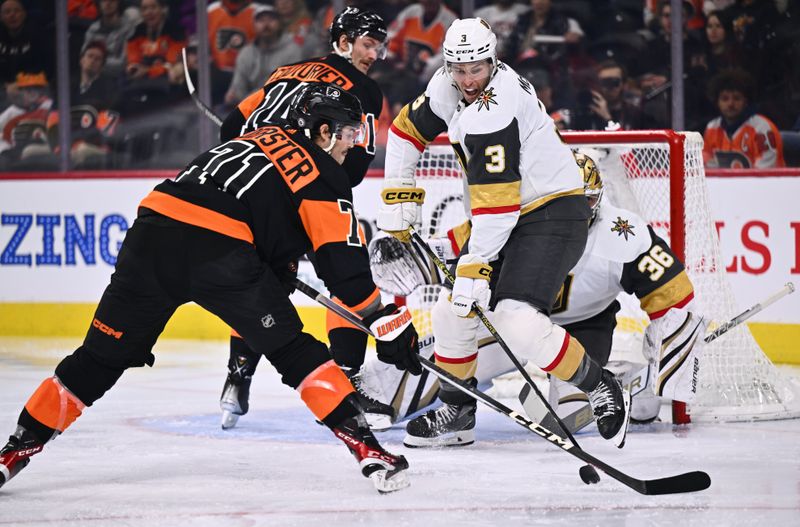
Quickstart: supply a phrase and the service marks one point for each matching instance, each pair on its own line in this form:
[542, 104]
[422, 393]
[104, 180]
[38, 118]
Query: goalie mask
[592, 182]
[355, 23]
[322, 103]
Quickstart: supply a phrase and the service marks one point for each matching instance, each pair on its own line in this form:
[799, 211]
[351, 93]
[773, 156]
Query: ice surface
[151, 453]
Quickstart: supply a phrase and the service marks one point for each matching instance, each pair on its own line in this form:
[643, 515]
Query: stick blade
[688, 482]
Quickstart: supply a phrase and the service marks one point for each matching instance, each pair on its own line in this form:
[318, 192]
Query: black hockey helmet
[319, 103]
[355, 23]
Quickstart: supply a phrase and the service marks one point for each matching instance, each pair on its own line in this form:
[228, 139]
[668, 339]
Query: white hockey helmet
[470, 40]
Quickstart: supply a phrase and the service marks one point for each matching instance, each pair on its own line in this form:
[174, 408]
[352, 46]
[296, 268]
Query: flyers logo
[291, 161]
[311, 72]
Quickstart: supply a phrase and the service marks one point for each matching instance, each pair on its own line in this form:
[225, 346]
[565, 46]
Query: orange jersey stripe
[325, 222]
[53, 405]
[196, 215]
[324, 389]
[251, 102]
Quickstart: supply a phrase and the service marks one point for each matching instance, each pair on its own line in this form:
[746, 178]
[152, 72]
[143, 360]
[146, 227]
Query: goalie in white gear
[623, 254]
[524, 196]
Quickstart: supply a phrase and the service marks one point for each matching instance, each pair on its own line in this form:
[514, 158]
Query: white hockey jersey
[622, 254]
[508, 145]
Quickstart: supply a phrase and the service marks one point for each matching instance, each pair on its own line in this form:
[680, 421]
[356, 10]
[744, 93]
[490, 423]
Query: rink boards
[59, 239]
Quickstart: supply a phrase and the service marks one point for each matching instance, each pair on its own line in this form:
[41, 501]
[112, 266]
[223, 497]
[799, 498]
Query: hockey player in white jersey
[524, 196]
[623, 255]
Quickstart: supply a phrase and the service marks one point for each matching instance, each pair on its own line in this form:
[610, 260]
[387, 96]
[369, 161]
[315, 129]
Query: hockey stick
[686, 482]
[549, 419]
[193, 93]
[578, 423]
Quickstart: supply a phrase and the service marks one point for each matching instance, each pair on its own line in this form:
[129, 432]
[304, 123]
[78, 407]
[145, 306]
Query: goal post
[659, 175]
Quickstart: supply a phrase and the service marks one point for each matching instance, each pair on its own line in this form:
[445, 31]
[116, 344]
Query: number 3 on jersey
[496, 155]
[353, 238]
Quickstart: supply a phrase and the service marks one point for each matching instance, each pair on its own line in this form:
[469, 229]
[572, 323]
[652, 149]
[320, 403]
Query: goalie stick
[687, 482]
[577, 420]
[193, 93]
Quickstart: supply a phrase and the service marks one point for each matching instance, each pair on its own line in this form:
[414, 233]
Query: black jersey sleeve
[658, 278]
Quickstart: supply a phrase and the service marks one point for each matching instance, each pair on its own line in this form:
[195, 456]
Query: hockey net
[660, 176]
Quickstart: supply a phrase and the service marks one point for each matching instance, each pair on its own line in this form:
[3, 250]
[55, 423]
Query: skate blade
[619, 438]
[378, 422]
[386, 481]
[462, 438]
[229, 420]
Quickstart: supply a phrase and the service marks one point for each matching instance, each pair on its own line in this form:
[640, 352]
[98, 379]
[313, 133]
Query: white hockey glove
[400, 210]
[472, 284]
[675, 343]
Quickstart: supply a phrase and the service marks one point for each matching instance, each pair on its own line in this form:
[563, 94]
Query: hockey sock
[50, 410]
[348, 346]
[324, 391]
[575, 366]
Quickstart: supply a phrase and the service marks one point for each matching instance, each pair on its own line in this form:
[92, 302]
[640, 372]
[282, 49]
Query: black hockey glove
[395, 337]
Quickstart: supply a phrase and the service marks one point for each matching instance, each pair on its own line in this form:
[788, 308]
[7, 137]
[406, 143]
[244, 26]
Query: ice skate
[235, 398]
[385, 470]
[448, 425]
[612, 408]
[379, 416]
[16, 454]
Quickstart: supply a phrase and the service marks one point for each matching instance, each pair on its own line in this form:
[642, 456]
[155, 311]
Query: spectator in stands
[154, 63]
[767, 39]
[720, 51]
[112, 29]
[739, 137]
[23, 125]
[416, 36]
[21, 49]
[295, 18]
[272, 47]
[694, 12]
[503, 16]
[230, 28]
[654, 70]
[546, 32]
[609, 102]
[92, 115]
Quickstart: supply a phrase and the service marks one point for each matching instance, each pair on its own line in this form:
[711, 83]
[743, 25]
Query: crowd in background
[594, 64]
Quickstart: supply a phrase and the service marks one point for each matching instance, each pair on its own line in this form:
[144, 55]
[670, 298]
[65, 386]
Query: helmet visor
[371, 42]
[350, 132]
[479, 70]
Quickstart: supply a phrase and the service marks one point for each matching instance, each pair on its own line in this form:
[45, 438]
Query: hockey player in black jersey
[222, 235]
[357, 41]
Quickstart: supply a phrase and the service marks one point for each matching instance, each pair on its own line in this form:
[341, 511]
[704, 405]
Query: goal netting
[660, 176]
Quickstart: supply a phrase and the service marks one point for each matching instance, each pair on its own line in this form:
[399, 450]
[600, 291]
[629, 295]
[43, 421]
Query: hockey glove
[401, 206]
[287, 276]
[396, 340]
[471, 286]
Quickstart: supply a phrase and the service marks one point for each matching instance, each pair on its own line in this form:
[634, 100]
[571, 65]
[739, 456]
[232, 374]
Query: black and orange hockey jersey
[276, 189]
[271, 104]
[228, 31]
[156, 51]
